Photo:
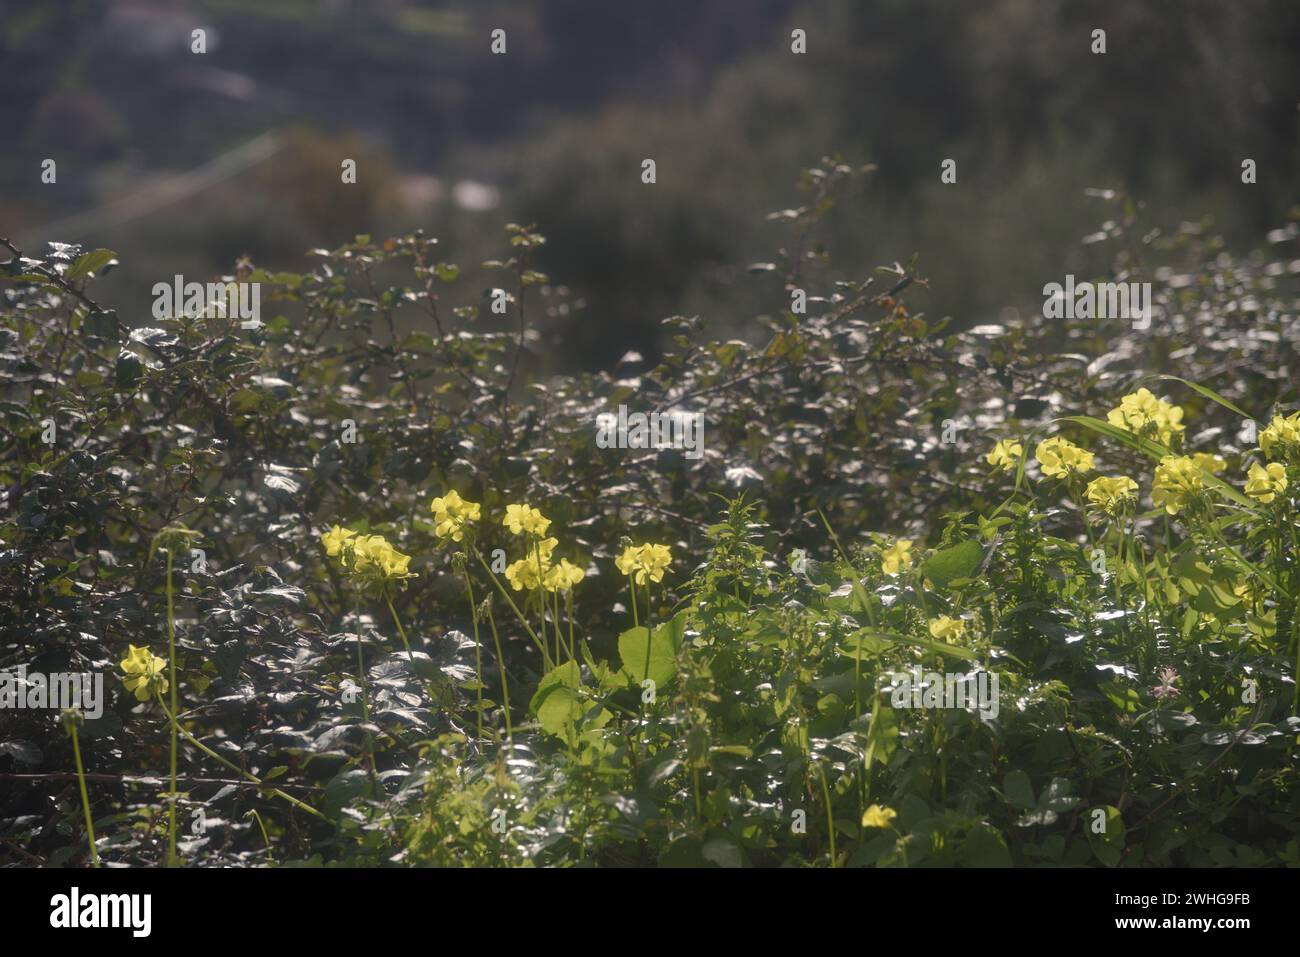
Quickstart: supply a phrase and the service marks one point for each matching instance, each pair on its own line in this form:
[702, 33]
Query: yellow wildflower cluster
[1006, 455]
[948, 629]
[644, 562]
[897, 557]
[1281, 437]
[144, 673]
[1111, 495]
[523, 519]
[451, 513]
[366, 556]
[1059, 458]
[1179, 480]
[1265, 483]
[1145, 415]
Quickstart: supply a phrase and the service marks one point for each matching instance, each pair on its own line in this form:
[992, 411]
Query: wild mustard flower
[451, 514]
[563, 576]
[897, 557]
[527, 574]
[1177, 483]
[1206, 462]
[877, 816]
[1265, 483]
[1143, 414]
[369, 557]
[521, 519]
[944, 628]
[144, 673]
[336, 539]
[1006, 455]
[1111, 495]
[1281, 436]
[1059, 458]
[644, 562]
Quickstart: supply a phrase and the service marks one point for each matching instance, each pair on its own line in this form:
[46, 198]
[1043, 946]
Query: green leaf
[1109, 844]
[91, 262]
[652, 655]
[1205, 391]
[954, 563]
[557, 702]
[984, 847]
[1018, 791]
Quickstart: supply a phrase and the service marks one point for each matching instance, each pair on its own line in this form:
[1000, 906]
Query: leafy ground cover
[366, 591]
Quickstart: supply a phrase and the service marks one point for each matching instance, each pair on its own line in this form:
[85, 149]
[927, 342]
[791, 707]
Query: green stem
[238, 770]
[546, 655]
[85, 798]
[478, 654]
[365, 699]
[171, 651]
[501, 670]
[830, 817]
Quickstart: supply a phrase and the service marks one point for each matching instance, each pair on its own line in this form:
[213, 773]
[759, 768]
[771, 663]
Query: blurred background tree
[164, 155]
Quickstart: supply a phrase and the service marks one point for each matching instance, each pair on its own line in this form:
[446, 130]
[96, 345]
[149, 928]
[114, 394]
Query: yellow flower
[336, 539]
[944, 628]
[1060, 457]
[527, 573]
[451, 513]
[1143, 414]
[897, 558]
[373, 557]
[1264, 484]
[1209, 463]
[563, 576]
[1178, 481]
[523, 518]
[1111, 494]
[644, 562]
[1005, 455]
[1282, 431]
[143, 673]
[877, 816]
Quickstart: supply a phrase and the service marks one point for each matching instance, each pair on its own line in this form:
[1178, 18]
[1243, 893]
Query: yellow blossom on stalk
[1060, 457]
[451, 513]
[644, 562]
[1283, 431]
[563, 576]
[897, 557]
[527, 574]
[877, 816]
[1142, 413]
[1006, 455]
[1111, 494]
[336, 539]
[944, 628]
[144, 673]
[523, 518]
[1264, 484]
[1209, 463]
[1178, 481]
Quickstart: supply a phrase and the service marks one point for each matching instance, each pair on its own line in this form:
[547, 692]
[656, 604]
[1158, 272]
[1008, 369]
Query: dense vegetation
[316, 555]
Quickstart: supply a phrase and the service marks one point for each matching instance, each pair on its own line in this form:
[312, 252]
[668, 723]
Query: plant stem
[478, 654]
[546, 655]
[85, 798]
[171, 651]
[830, 817]
[501, 670]
[238, 770]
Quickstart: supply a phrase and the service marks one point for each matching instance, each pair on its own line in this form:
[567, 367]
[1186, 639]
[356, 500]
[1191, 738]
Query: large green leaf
[653, 655]
[953, 563]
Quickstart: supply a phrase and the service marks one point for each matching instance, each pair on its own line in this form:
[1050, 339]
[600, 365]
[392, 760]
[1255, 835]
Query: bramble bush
[376, 597]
